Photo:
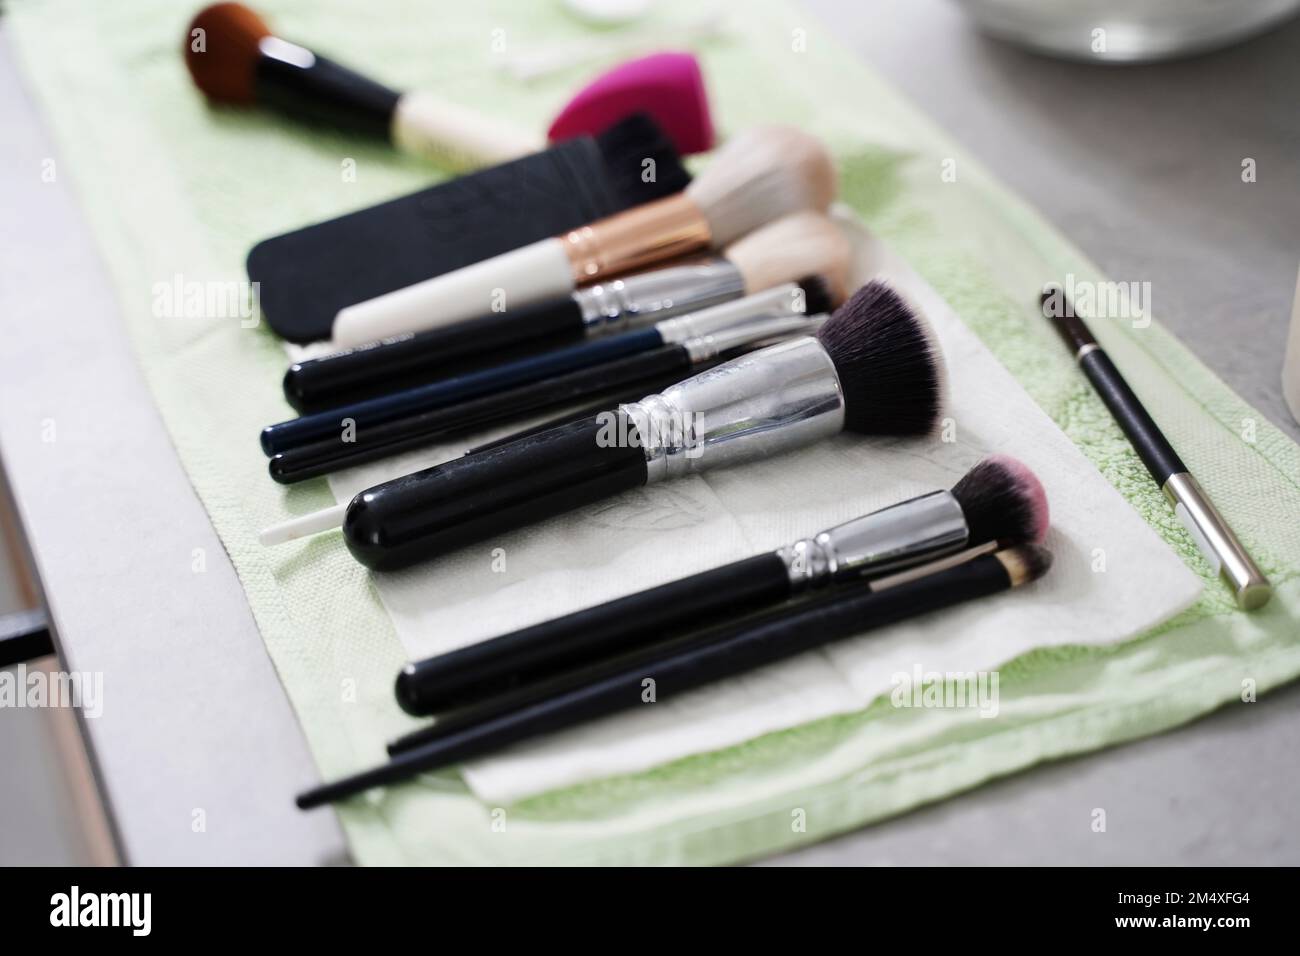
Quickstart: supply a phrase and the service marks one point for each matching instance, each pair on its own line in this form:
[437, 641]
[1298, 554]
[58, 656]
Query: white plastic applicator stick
[303, 526]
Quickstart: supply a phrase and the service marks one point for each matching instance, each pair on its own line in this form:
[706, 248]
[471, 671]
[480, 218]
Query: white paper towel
[667, 531]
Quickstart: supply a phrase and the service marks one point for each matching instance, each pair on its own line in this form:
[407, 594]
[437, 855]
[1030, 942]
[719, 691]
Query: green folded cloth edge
[171, 188]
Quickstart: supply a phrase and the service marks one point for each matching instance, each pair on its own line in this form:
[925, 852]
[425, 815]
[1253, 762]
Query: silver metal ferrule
[286, 52]
[899, 536]
[756, 405]
[783, 301]
[767, 329]
[635, 301]
[1216, 541]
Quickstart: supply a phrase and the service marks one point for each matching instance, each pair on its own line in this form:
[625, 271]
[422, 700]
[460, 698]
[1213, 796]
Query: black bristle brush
[999, 499]
[682, 665]
[874, 367]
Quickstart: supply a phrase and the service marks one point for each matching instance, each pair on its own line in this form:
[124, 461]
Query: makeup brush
[1212, 534]
[785, 250]
[235, 58]
[755, 178]
[686, 664]
[999, 499]
[671, 360]
[873, 368]
[784, 300]
[489, 707]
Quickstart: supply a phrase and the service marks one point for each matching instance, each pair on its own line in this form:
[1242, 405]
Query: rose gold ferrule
[635, 239]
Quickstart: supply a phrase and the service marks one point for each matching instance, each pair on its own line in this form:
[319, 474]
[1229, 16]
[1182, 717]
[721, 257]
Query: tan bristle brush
[758, 176]
[235, 58]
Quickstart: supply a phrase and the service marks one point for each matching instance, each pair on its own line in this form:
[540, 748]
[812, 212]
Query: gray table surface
[1139, 166]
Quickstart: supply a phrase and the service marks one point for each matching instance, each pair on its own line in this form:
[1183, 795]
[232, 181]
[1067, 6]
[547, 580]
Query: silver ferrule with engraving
[1217, 543]
[759, 404]
[890, 539]
[635, 301]
[781, 302]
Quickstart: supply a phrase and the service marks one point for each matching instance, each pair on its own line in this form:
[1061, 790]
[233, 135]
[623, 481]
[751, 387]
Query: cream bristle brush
[786, 250]
[235, 58]
[756, 177]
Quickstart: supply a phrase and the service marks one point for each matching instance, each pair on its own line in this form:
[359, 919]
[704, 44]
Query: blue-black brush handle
[360, 415]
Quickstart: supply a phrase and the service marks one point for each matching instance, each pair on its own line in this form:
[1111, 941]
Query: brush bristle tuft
[818, 295]
[1025, 563]
[888, 361]
[225, 67]
[759, 176]
[626, 145]
[1003, 501]
[789, 248]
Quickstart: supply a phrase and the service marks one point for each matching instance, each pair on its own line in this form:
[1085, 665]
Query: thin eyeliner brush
[687, 665]
[1212, 534]
[998, 500]
[788, 299]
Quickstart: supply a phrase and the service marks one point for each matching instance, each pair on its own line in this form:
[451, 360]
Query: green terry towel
[173, 188]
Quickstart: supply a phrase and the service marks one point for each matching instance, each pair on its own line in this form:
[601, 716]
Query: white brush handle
[456, 137]
[519, 277]
[303, 526]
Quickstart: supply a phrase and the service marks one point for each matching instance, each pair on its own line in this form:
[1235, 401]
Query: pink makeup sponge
[668, 86]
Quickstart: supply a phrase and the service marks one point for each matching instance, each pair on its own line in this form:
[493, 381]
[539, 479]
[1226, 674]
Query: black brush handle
[638, 374]
[1128, 411]
[392, 365]
[328, 92]
[471, 674]
[676, 668]
[471, 499]
[1137, 424]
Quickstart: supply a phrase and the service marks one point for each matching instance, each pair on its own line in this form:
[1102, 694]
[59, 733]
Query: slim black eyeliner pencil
[1191, 504]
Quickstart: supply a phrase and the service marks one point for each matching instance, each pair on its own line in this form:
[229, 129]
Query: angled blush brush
[999, 500]
[690, 662]
[756, 177]
[782, 251]
[674, 358]
[235, 58]
[873, 368]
